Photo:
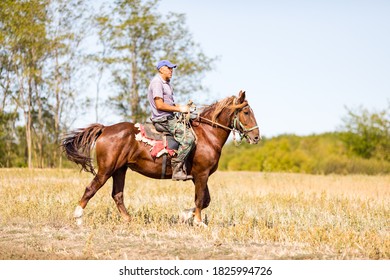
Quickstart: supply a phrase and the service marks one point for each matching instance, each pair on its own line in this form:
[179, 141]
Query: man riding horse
[160, 96]
[117, 148]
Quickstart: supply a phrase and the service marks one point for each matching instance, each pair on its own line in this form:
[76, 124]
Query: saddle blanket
[158, 147]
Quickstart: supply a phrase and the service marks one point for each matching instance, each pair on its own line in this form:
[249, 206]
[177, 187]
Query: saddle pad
[151, 132]
[159, 146]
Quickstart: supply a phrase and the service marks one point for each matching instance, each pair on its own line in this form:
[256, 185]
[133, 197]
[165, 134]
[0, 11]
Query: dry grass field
[251, 216]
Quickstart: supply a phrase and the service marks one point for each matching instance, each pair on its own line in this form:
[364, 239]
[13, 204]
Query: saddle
[160, 140]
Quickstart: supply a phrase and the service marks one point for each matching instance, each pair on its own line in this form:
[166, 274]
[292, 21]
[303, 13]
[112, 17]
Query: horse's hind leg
[97, 182]
[117, 192]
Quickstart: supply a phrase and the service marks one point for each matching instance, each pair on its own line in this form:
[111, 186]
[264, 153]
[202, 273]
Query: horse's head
[244, 120]
[234, 114]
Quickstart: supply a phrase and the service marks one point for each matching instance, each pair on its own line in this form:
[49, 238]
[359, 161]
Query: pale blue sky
[300, 62]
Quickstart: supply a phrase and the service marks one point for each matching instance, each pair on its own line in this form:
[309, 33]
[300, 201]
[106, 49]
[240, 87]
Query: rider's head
[165, 68]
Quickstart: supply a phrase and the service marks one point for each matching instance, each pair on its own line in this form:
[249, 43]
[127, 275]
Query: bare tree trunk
[40, 131]
[28, 130]
[100, 74]
[134, 96]
[57, 110]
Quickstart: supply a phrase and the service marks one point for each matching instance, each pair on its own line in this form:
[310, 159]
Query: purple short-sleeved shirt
[160, 88]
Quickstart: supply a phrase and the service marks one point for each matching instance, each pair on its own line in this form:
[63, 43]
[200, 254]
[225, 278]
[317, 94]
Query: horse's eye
[246, 113]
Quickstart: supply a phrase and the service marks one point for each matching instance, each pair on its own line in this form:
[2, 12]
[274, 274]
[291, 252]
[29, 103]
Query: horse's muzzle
[253, 140]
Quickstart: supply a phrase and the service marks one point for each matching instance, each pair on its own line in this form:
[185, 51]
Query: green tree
[367, 134]
[23, 39]
[7, 138]
[42, 63]
[40, 58]
[8, 114]
[316, 154]
[137, 36]
[67, 26]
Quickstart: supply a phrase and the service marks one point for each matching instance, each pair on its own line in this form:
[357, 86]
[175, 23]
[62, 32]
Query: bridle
[236, 126]
[239, 127]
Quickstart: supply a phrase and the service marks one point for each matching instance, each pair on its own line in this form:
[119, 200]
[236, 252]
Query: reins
[215, 123]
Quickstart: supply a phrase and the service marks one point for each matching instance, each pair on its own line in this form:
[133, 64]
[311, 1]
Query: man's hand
[184, 108]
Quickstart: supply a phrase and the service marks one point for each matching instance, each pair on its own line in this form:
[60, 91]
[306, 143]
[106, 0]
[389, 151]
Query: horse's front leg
[202, 200]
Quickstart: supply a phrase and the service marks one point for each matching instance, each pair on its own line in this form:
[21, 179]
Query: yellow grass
[251, 216]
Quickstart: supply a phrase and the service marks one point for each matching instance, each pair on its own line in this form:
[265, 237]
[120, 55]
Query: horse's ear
[241, 96]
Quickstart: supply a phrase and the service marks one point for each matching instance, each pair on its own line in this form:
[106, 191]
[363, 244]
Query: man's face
[166, 73]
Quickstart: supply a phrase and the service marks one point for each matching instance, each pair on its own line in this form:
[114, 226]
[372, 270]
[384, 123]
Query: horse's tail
[78, 143]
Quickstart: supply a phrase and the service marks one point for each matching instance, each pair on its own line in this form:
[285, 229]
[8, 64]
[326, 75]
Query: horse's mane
[214, 110]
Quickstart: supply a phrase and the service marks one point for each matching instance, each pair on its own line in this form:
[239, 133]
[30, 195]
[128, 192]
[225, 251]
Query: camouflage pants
[184, 136]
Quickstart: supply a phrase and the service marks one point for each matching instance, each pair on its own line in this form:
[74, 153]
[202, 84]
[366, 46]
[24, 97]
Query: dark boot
[178, 173]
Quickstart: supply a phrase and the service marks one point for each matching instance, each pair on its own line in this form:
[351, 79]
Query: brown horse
[117, 149]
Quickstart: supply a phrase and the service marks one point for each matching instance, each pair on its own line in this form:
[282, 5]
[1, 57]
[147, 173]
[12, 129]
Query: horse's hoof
[78, 212]
[200, 224]
[127, 219]
[186, 215]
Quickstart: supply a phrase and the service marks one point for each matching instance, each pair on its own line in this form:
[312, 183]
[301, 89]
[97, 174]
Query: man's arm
[160, 105]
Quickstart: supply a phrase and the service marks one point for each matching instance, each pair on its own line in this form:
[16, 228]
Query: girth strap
[164, 166]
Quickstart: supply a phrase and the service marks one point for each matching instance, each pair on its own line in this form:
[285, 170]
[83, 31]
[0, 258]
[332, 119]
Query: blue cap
[165, 63]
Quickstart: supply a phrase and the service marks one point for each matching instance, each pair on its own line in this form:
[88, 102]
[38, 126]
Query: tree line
[360, 146]
[50, 48]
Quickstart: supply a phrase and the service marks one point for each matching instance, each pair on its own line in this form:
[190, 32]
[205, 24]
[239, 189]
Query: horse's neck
[216, 134]
[212, 135]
